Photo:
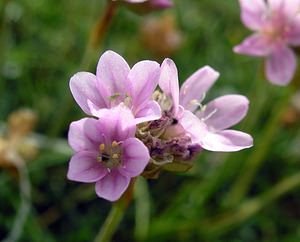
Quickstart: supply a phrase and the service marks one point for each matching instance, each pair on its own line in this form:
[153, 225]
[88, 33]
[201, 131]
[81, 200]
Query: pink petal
[193, 126]
[255, 45]
[168, 82]
[281, 66]
[195, 87]
[116, 123]
[226, 141]
[252, 13]
[112, 186]
[293, 34]
[84, 88]
[84, 135]
[144, 78]
[135, 157]
[225, 111]
[112, 73]
[83, 167]
[151, 111]
[289, 7]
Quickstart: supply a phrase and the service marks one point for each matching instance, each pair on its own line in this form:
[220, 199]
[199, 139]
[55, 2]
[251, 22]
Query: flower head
[206, 124]
[276, 24]
[115, 83]
[107, 152]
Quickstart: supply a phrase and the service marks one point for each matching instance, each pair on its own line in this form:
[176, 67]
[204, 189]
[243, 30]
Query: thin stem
[115, 216]
[252, 164]
[24, 208]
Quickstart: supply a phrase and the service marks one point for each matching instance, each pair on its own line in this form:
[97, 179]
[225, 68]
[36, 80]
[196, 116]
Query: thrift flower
[206, 124]
[115, 83]
[276, 24]
[107, 152]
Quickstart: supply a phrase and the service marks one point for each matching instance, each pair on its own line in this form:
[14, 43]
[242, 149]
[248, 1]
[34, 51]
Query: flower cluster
[142, 123]
[277, 28]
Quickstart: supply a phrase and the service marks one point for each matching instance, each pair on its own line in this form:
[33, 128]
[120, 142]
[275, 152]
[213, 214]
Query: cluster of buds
[141, 122]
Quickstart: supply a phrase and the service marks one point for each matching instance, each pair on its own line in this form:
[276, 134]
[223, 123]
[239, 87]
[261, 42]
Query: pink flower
[206, 124]
[107, 152]
[114, 83]
[276, 24]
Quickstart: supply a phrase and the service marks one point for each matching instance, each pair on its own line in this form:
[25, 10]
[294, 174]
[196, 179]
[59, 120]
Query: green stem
[115, 216]
[252, 164]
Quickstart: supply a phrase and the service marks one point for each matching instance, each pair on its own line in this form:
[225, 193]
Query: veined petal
[193, 126]
[112, 72]
[84, 135]
[252, 13]
[84, 88]
[112, 186]
[255, 45]
[83, 167]
[289, 7]
[293, 34]
[168, 82]
[135, 157]
[144, 78]
[224, 112]
[226, 141]
[281, 66]
[195, 87]
[151, 111]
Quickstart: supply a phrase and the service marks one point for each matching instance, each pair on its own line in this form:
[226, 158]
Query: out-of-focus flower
[114, 83]
[206, 124]
[107, 152]
[276, 24]
[145, 6]
[14, 142]
[161, 36]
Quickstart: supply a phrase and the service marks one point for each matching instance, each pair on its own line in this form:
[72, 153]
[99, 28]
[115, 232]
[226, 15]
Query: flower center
[110, 156]
[117, 98]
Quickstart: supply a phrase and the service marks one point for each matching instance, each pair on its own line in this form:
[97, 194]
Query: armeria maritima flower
[107, 152]
[114, 83]
[276, 24]
[206, 124]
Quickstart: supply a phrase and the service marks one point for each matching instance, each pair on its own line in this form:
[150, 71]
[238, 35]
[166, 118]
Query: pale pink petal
[117, 123]
[252, 13]
[83, 167]
[195, 87]
[226, 141]
[255, 45]
[225, 111]
[112, 186]
[112, 73]
[84, 89]
[289, 7]
[168, 82]
[293, 34]
[84, 135]
[151, 111]
[144, 78]
[281, 66]
[193, 126]
[135, 157]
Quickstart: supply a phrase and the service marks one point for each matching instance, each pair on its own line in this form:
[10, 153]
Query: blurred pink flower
[114, 83]
[276, 24]
[107, 152]
[206, 124]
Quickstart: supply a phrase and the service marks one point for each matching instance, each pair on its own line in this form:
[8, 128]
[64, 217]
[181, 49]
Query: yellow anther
[114, 144]
[115, 156]
[102, 147]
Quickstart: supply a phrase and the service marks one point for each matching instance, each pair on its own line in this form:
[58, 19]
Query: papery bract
[276, 24]
[107, 152]
[114, 83]
[206, 124]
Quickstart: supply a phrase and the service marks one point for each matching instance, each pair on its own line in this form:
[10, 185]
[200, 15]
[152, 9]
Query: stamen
[115, 156]
[102, 147]
[209, 115]
[114, 144]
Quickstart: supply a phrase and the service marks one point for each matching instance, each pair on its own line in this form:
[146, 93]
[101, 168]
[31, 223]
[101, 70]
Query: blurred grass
[42, 44]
